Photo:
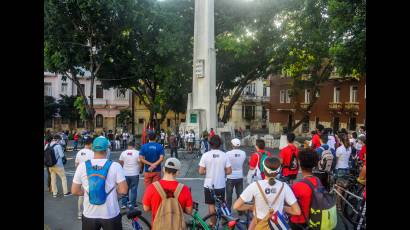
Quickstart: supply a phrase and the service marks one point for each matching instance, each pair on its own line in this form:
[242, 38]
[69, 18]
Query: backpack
[49, 156]
[293, 162]
[96, 182]
[272, 220]
[258, 170]
[169, 214]
[327, 161]
[322, 215]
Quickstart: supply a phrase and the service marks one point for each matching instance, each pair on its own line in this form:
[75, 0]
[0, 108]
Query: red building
[341, 103]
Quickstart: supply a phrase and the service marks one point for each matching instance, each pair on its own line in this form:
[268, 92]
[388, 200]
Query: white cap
[236, 142]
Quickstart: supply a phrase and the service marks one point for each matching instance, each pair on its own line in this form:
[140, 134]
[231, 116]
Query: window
[265, 91]
[282, 96]
[99, 121]
[353, 93]
[168, 122]
[80, 124]
[99, 92]
[248, 112]
[307, 95]
[264, 113]
[64, 88]
[82, 87]
[352, 123]
[336, 94]
[120, 93]
[288, 96]
[141, 121]
[47, 89]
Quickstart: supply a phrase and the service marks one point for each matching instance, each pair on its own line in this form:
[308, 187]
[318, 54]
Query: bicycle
[138, 222]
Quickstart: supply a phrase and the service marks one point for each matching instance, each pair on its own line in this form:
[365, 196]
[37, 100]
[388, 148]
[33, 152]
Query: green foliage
[67, 110]
[50, 107]
[125, 117]
[79, 105]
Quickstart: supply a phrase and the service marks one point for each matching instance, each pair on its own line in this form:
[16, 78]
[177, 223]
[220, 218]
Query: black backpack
[293, 162]
[50, 156]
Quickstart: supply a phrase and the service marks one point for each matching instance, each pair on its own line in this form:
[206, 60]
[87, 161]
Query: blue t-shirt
[151, 152]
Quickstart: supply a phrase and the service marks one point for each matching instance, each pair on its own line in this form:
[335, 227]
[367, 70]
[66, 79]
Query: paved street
[61, 212]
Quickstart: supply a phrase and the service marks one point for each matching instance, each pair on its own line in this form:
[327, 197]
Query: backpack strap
[264, 197]
[178, 190]
[160, 190]
[106, 167]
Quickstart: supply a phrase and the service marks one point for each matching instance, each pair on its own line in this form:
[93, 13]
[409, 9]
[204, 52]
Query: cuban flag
[278, 221]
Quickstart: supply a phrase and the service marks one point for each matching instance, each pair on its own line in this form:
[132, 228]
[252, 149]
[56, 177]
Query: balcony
[335, 106]
[249, 97]
[352, 106]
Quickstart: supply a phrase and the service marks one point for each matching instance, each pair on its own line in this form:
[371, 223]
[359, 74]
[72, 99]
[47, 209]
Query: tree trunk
[232, 102]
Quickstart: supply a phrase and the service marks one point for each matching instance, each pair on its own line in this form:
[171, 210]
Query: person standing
[130, 161]
[75, 138]
[58, 168]
[211, 133]
[162, 138]
[48, 140]
[235, 179]
[255, 162]
[82, 156]
[289, 159]
[191, 137]
[96, 215]
[173, 145]
[125, 136]
[151, 154]
[170, 186]
[215, 166]
[316, 136]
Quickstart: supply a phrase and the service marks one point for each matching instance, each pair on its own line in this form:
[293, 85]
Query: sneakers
[55, 195]
[68, 194]
[123, 207]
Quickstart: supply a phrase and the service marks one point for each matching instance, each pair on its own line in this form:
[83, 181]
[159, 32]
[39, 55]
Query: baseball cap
[236, 142]
[175, 163]
[100, 144]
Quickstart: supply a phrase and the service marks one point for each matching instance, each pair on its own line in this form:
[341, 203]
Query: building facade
[341, 103]
[107, 103]
[251, 111]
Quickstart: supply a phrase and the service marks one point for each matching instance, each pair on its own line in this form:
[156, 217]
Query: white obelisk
[204, 81]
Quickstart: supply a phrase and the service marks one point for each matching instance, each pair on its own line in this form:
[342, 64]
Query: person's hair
[152, 137]
[215, 142]
[308, 159]
[343, 130]
[324, 138]
[330, 131]
[354, 135]
[291, 137]
[170, 170]
[57, 137]
[362, 127]
[88, 141]
[313, 132]
[272, 163]
[345, 140]
[49, 138]
[131, 143]
[260, 143]
[320, 127]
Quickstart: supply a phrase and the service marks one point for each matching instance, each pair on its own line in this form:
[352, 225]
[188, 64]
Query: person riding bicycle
[152, 198]
[307, 160]
[268, 194]
[215, 165]
[289, 159]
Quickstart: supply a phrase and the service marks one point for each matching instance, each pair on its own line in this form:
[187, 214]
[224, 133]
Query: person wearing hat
[152, 199]
[58, 168]
[82, 156]
[106, 215]
[151, 155]
[235, 179]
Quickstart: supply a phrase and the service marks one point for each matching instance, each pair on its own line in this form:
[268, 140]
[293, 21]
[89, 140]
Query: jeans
[132, 182]
[230, 185]
[75, 145]
[124, 144]
[174, 150]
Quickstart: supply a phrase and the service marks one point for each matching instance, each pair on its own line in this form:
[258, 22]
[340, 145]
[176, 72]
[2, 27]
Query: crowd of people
[272, 184]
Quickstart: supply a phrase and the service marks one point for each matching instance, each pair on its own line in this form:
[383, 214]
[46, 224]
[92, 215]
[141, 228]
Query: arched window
[99, 121]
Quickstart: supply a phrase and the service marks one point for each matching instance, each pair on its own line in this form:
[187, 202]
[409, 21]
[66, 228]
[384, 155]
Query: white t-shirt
[270, 192]
[125, 136]
[331, 141]
[131, 162]
[110, 208]
[191, 137]
[342, 155]
[162, 136]
[236, 158]
[215, 162]
[83, 155]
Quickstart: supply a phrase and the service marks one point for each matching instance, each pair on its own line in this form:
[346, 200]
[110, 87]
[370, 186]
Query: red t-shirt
[362, 154]
[153, 199]
[253, 162]
[316, 141]
[75, 137]
[303, 194]
[211, 134]
[286, 155]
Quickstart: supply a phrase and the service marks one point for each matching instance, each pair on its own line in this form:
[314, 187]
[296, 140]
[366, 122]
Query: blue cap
[100, 144]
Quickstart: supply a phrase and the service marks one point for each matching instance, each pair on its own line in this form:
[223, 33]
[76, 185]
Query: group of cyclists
[273, 187]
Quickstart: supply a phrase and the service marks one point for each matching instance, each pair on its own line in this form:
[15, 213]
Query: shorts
[220, 193]
[107, 224]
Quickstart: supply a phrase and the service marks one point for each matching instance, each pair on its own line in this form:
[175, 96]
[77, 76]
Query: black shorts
[220, 193]
[107, 224]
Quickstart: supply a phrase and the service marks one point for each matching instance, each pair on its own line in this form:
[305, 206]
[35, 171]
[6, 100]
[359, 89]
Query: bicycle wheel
[348, 211]
[222, 222]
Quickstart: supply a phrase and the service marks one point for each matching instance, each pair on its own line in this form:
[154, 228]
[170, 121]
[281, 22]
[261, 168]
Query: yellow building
[141, 117]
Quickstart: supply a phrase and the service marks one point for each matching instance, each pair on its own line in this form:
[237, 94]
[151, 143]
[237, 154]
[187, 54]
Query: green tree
[50, 107]
[79, 35]
[124, 118]
[67, 110]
